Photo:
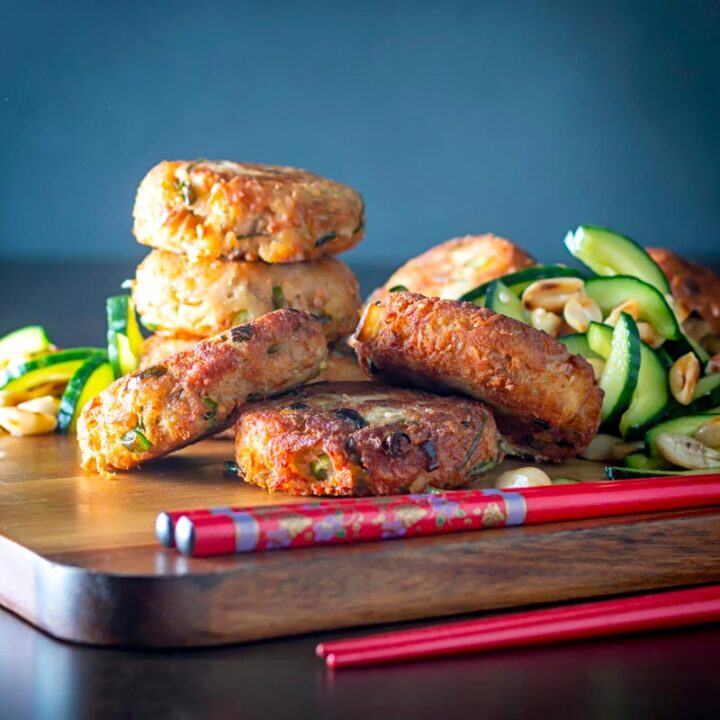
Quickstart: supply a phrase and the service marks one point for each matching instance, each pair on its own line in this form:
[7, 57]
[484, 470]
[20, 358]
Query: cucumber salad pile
[661, 410]
[43, 388]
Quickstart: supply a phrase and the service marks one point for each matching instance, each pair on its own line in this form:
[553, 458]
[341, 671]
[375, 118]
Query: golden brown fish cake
[246, 211]
[195, 393]
[693, 284]
[364, 439]
[452, 268]
[174, 294]
[341, 364]
[545, 400]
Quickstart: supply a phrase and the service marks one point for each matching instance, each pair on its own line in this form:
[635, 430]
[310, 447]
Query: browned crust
[246, 211]
[697, 286]
[341, 364]
[174, 294]
[379, 440]
[195, 392]
[544, 399]
[456, 266]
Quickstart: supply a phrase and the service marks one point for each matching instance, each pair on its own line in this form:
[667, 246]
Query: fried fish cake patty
[341, 364]
[246, 211]
[452, 268]
[364, 439]
[693, 284]
[172, 293]
[545, 400]
[195, 393]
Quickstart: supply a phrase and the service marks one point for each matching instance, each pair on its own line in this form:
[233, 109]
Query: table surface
[662, 675]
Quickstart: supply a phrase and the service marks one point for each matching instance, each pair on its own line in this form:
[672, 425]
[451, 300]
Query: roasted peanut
[551, 294]
[544, 320]
[580, 310]
[45, 404]
[649, 335]
[709, 433]
[631, 307]
[687, 452]
[522, 477]
[22, 422]
[683, 378]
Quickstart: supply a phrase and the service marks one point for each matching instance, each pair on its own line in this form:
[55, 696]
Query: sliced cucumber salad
[32, 367]
[621, 317]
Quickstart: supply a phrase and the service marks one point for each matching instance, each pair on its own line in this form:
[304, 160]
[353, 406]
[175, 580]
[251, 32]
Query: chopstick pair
[678, 608]
[228, 530]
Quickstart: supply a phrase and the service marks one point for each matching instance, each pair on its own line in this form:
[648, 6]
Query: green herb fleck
[324, 318]
[231, 467]
[273, 349]
[278, 299]
[135, 441]
[320, 467]
[325, 239]
[241, 333]
[152, 371]
[211, 406]
[241, 317]
[482, 467]
[473, 446]
[398, 288]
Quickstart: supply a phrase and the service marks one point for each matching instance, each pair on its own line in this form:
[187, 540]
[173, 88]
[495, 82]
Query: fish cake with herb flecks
[174, 294]
[246, 211]
[362, 438]
[196, 392]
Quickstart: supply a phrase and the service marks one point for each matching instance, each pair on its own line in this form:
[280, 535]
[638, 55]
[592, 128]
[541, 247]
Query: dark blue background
[523, 118]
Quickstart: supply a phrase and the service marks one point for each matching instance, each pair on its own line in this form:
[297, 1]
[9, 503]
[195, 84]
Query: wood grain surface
[78, 557]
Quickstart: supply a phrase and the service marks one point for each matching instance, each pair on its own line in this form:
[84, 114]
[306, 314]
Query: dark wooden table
[663, 675]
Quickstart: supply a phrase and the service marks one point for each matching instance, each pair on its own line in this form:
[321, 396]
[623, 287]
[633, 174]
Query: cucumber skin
[612, 472]
[595, 286]
[650, 269]
[539, 272]
[684, 425]
[55, 358]
[632, 370]
[36, 333]
[73, 391]
[514, 309]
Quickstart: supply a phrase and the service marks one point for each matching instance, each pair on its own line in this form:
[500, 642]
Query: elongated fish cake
[195, 393]
[545, 400]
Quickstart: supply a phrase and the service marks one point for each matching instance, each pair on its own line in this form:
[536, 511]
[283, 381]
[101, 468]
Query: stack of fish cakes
[232, 242]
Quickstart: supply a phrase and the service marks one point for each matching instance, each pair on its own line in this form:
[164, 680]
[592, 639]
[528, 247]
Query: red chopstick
[655, 611]
[325, 522]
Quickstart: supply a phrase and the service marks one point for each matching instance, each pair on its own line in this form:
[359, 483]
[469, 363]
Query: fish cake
[693, 284]
[546, 401]
[195, 393]
[364, 439]
[452, 268]
[246, 211]
[341, 364]
[174, 294]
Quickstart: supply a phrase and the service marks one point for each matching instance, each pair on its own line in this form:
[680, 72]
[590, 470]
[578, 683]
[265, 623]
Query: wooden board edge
[419, 578]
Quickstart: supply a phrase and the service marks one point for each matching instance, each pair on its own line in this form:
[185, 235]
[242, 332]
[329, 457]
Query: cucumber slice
[622, 367]
[705, 397]
[623, 473]
[686, 425]
[651, 398]
[608, 253]
[640, 461]
[608, 293]
[577, 344]
[501, 299]
[521, 279]
[124, 336]
[90, 379]
[54, 367]
[25, 341]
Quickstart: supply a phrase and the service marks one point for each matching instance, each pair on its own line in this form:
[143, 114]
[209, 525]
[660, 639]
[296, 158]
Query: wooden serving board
[78, 558]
